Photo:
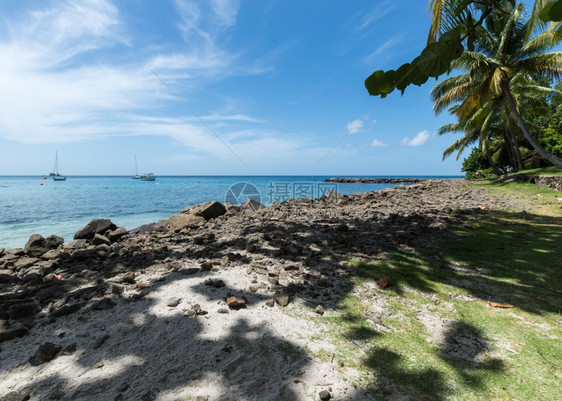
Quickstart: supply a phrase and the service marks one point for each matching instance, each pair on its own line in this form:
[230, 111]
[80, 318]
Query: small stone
[282, 299]
[45, 353]
[104, 304]
[222, 310]
[325, 395]
[100, 341]
[69, 349]
[319, 310]
[173, 302]
[128, 278]
[235, 302]
[270, 302]
[190, 312]
[253, 288]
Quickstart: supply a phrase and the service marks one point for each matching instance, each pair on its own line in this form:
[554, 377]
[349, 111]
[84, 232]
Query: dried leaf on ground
[499, 305]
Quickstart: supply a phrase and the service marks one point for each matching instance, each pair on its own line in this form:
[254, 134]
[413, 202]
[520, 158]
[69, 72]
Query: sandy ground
[143, 349]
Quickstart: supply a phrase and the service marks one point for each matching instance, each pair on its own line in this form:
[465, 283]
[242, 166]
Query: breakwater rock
[374, 180]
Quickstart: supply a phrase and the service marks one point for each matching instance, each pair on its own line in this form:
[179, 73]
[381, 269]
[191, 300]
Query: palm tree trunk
[534, 143]
[509, 147]
[515, 145]
[497, 171]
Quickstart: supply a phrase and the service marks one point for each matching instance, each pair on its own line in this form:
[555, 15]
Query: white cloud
[378, 144]
[420, 139]
[354, 126]
[387, 46]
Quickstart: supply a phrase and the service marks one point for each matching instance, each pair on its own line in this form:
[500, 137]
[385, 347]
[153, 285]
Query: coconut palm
[504, 68]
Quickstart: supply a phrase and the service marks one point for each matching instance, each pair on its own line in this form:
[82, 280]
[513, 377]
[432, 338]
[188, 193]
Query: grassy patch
[432, 335]
[541, 171]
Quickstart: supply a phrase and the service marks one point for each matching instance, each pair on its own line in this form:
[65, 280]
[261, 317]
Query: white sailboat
[136, 176]
[55, 175]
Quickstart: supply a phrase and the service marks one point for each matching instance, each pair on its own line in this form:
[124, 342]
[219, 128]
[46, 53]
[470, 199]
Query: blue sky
[280, 82]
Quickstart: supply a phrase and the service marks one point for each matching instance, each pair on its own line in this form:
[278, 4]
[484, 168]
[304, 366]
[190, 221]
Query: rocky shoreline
[375, 180]
[76, 306]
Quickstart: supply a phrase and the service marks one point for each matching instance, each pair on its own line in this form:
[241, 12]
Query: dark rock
[36, 246]
[100, 240]
[55, 241]
[45, 353]
[100, 341]
[67, 309]
[69, 349]
[128, 278]
[21, 311]
[150, 395]
[103, 304]
[12, 333]
[97, 226]
[209, 210]
[325, 395]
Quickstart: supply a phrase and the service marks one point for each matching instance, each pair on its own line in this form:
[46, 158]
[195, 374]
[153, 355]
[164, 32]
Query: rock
[14, 251]
[270, 302]
[104, 304]
[222, 310]
[21, 311]
[282, 299]
[325, 395]
[24, 263]
[76, 244]
[100, 341]
[319, 310]
[116, 234]
[17, 396]
[173, 302]
[12, 333]
[69, 349]
[55, 241]
[52, 254]
[128, 278]
[45, 353]
[100, 240]
[251, 205]
[209, 210]
[96, 226]
[181, 221]
[235, 302]
[36, 246]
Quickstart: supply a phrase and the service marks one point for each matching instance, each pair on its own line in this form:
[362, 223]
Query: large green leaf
[552, 11]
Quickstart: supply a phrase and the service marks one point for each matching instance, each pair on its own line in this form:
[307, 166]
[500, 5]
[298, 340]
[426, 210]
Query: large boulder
[180, 221]
[36, 246]
[208, 210]
[97, 226]
[55, 241]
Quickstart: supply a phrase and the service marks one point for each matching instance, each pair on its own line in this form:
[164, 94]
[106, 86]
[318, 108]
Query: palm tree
[505, 68]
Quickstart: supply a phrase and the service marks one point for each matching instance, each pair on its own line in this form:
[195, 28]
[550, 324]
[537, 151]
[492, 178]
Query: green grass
[477, 352]
[541, 171]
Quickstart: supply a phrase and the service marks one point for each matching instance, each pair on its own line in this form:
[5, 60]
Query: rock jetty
[374, 180]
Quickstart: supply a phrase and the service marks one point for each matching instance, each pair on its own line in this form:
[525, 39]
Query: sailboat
[136, 176]
[56, 176]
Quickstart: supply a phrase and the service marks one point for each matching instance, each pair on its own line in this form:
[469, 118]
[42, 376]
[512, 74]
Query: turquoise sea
[30, 205]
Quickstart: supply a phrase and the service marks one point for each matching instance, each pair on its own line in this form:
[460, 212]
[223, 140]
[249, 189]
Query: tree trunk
[516, 152]
[509, 148]
[497, 171]
[534, 143]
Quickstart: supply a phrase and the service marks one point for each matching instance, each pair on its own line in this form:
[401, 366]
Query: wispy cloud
[420, 139]
[378, 144]
[385, 48]
[354, 126]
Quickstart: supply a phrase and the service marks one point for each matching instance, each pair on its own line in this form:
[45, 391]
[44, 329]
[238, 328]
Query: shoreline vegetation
[443, 289]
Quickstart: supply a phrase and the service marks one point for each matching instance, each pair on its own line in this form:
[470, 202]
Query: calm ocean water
[30, 205]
